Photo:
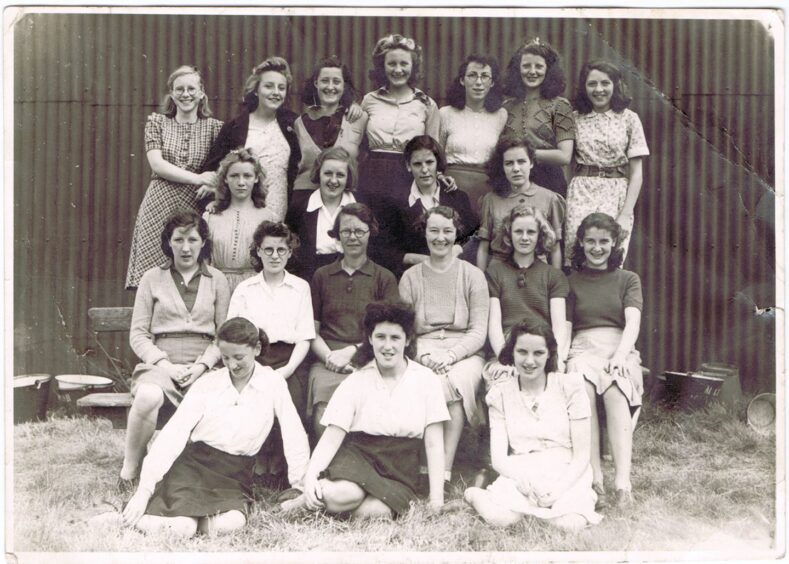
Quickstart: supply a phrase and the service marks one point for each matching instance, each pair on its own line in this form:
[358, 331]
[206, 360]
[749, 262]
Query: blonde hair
[168, 107]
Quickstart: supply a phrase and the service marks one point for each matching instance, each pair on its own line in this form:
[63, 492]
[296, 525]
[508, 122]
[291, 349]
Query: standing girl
[240, 208]
[177, 140]
[609, 148]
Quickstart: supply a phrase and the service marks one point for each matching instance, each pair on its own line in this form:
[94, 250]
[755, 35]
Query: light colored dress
[271, 148]
[186, 146]
[540, 444]
[606, 139]
[231, 235]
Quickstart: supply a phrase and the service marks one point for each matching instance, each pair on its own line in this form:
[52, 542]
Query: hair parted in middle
[398, 313]
[309, 94]
[270, 229]
[495, 165]
[538, 328]
[184, 218]
[546, 239]
[259, 190]
[554, 83]
[276, 64]
[425, 142]
[456, 93]
[604, 222]
[335, 154]
[389, 43]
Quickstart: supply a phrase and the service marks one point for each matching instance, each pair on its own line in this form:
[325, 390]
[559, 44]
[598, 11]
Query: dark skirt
[203, 481]
[549, 176]
[385, 467]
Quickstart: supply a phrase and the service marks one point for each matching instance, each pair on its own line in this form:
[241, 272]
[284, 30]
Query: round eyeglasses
[269, 251]
[358, 233]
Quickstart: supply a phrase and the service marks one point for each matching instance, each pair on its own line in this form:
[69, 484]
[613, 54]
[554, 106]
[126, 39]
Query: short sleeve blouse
[609, 139]
[185, 145]
[363, 403]
[551, 120]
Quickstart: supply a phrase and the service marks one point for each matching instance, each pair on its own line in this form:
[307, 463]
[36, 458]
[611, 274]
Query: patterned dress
[231, 235]
[186, 146]
[606, 139]
[271, 148]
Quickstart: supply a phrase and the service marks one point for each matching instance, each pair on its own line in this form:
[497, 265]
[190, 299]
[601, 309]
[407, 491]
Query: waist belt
[600, 171]
[183, 335]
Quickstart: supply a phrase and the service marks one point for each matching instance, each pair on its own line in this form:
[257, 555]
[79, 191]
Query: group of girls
[387, 372]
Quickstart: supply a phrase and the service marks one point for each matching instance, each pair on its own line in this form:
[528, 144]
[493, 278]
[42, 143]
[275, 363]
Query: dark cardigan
[234, 134]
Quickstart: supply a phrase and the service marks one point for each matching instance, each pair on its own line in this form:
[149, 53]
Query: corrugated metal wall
[84, 85]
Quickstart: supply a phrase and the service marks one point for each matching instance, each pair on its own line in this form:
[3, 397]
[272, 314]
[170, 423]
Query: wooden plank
[105, 400]
[104, 319]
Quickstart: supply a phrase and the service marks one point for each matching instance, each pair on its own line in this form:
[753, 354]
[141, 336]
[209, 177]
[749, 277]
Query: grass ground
[703, 481]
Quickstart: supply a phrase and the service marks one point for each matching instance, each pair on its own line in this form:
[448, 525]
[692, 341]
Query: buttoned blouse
[325, 245]
[392, 124]
[215, 413]
[364, 403]
[609, 139]
[283, 311]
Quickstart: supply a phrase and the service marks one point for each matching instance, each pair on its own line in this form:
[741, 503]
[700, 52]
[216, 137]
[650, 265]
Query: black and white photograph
[359, 283]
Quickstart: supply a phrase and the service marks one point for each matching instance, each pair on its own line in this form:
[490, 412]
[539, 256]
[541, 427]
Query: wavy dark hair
[553, 84]
[186, 218]
[276, 64]
[606, 223]
[389, 43]
[360, 211]
[425, 142]
[223, 195]
[167, 105]
[546, 240]
[619, 99]
[309, 94]
[335, 154]
[456, 93]
[538, 328]
[398, 313]
[270, 229]
[444, 211]
[495, 164]
[241, 331]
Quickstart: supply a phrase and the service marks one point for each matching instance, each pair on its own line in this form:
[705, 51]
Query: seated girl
[177, 310]
[539, 435]
[240, 207]
[198, 474]
[508, 169]
[522, 287]
[376, 423]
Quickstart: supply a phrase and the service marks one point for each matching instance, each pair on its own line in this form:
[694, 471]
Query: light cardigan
[159, 308]
[472, 306]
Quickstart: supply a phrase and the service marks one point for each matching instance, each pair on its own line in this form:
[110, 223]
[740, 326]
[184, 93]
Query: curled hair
[276, 64]
[186, 218]
[428, 143]
[241, 331]
[398, 313]
[389, 43]
[495, 164]
[335, 154]
[360, 211]
[604, 222]
[270, 229]
[538, 328]
[546, 238]
[445, 212]
[309, 94]
[168, 107]
[456, 93]
[259, 190]
[552, 85]
[619, 99]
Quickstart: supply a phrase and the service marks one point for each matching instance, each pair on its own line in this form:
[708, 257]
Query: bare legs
[317, 415]
[189, 526]
[452, 431]
[148, 399]
[619, 425]
[490, 511]
[597, 469]
[342, 495]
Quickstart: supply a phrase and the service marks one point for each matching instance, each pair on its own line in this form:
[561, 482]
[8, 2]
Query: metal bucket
[761, 413]
[731, 392]
[31, 394]
[71, 387]
[692, 390]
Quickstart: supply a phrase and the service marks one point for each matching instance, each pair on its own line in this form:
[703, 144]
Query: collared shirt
[215, 413]
[325, 245]
[339, 299]
[188, 291]
[283, 311]
[364, 403]
[428, 201]
[610, 138]
[392, 124]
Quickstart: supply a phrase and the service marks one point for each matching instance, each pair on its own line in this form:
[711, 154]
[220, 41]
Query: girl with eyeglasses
[239, 209]
[471, 124]
[537, 111]
[177, 142]
[340, 293]
[279, 303]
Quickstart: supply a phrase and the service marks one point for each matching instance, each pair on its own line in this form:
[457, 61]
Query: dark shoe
[623, 499]
[602, 498]
[127, 487]
[290, 493]
[422, 485]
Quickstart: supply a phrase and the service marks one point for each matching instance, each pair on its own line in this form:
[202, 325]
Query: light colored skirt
[180, 350]
[463, 379]
[590, 352]
[543, 469]
[322, 381]
[472, 180]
